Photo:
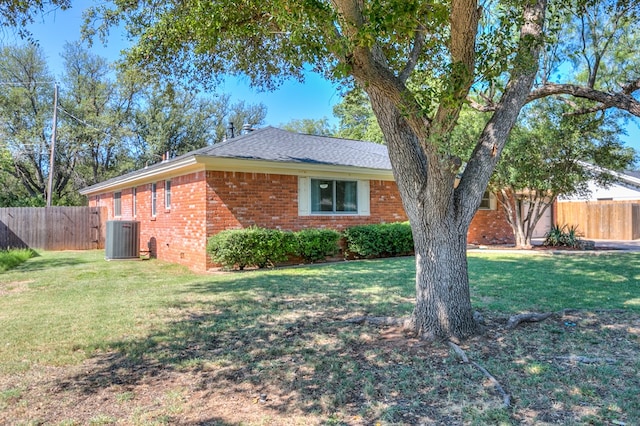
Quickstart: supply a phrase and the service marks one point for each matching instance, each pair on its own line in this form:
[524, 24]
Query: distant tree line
[109, 121]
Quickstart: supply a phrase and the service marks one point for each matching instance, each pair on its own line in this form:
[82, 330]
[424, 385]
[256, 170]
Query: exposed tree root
[380, 321]
[586, 360]
[530, 317]
[506, 399]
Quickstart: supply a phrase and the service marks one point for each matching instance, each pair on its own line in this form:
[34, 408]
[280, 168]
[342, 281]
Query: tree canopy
[108, 123]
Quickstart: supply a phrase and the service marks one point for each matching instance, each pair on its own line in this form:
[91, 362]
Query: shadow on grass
[40, 263]
[281, 334]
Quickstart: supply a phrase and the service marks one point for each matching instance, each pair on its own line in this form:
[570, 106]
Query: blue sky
[314, 98]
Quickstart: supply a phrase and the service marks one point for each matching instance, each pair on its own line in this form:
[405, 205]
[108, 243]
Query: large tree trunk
[443, 304]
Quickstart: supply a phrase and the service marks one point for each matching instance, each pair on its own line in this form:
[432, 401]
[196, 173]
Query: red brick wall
[240, 200]
[490, 227]
[204, 203]
[177, 234]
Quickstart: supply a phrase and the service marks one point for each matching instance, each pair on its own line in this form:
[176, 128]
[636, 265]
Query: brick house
[269, 178]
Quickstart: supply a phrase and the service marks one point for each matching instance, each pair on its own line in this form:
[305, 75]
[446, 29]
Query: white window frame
[304, 197]
[493, 201]
[117, 204]
[167, 194]
[154, 199]
[134, 201]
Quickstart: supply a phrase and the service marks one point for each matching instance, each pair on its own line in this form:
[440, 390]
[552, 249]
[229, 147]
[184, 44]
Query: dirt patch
[348, 375]
[14, 287]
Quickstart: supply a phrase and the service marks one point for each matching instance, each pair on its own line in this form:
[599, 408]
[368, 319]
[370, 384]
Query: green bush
[562, 236]
[251, 247]
[380, 240]
[316, 244]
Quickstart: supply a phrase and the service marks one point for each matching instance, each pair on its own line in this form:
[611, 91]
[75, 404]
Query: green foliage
[251, 247]
[9, 259]
[18, 13]
[239, 248]
[26, 110]
[316, 244]
[379, 240]
[548, 149]
[563, 236]
[309, 126]
[357, 120]
[551, 153]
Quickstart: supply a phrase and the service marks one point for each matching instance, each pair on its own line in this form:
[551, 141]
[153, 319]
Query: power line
[81, 121]
[23, 83]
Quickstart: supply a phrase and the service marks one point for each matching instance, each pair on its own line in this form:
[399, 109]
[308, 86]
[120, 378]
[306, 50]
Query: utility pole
[53, 143]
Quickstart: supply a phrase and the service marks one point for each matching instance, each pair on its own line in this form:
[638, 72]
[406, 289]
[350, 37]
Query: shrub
[379, 240]
[562, 236]
[316, 244]
[250, 247]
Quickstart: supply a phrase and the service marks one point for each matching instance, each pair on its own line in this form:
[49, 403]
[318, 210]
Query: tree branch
[481, 107]
[530, 317]
[495, 134]
[622, 100]
[418, 44]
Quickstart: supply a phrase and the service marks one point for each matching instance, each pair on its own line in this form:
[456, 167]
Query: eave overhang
[196, 163]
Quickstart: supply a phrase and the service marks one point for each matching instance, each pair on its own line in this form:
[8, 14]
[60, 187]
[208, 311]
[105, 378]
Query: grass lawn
[11, 258]
[85, 341]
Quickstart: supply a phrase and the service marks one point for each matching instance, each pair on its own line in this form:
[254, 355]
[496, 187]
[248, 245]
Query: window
[154, 197]
[117, 203]
[328, 196]
[488, 201]
[334, 196]
[167, 194]
[134, 201]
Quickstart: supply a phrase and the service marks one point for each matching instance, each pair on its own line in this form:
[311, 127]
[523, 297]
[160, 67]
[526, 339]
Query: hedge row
[381, 240]
[261, 247]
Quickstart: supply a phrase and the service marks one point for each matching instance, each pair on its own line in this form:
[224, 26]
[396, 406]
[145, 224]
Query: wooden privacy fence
[51, 228]
[602, 220]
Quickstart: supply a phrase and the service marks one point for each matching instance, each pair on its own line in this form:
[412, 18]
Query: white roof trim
[204, 162]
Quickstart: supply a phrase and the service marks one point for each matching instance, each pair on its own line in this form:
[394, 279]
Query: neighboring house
[269, 178]
[611, 212]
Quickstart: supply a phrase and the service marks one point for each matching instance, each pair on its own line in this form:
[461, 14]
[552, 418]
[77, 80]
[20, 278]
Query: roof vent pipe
[247, 128]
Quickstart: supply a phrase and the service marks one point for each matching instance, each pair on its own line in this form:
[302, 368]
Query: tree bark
[443, 304]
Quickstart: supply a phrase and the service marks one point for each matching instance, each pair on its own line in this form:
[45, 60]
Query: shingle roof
[277, 145]
[632, 173]
[272, 144]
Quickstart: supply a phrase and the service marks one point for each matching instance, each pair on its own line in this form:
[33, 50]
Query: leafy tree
[175, 121]
[357, 120]
[309, 126]
[95, 118]
[418, 61]
[18, 14]
[552, 153]
[236, 115]
[26, 107]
